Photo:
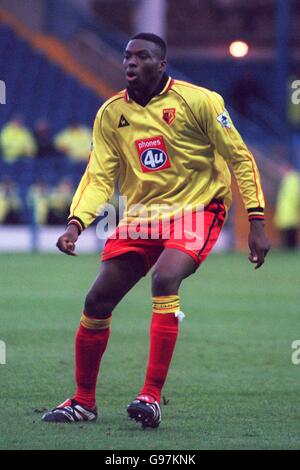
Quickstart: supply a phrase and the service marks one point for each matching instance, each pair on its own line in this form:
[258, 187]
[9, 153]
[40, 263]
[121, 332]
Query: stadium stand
[40, 88]
[35, 84]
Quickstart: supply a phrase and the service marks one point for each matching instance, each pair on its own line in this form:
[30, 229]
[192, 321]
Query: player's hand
[66, 242]
[258, 243]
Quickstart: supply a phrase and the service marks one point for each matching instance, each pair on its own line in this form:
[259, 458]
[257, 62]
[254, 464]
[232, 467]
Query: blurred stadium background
[59, 61]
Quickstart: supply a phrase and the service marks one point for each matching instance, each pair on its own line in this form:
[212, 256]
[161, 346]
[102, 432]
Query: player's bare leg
[116, 277]
[171, 268]
[169, 271]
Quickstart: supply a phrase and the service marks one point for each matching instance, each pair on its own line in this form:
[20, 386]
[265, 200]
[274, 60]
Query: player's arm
[228, 142]
[96, 186]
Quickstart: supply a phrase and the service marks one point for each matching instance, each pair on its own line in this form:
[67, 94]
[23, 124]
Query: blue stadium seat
[36, 87]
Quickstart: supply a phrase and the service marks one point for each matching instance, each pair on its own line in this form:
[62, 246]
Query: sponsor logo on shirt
[153, 154]
[169, 115]
[223, 119]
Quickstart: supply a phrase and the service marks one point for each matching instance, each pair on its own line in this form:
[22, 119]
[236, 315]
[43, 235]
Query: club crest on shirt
[169, 115]
[153, 154]
[223, 119]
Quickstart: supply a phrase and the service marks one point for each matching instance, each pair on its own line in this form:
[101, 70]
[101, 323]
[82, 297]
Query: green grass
[231, 385]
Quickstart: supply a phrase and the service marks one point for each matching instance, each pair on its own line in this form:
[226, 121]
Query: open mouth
[131, 76]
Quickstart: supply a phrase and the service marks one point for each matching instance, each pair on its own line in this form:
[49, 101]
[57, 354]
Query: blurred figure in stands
[37, 202]
[42, 134]
[287, 215]
[244, 91]
[16, 141]
[10, 203]
[60, 199]
[75, 141]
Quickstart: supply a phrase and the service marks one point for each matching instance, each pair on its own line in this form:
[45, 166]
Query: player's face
[142, 63]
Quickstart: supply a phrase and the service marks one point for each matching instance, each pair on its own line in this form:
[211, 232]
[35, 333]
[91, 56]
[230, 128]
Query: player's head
[144, 60]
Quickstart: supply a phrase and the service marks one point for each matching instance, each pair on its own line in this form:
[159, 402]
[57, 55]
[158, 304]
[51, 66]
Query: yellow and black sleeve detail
[78, 222]
[165, 304]
[256, 213]
[95, 323]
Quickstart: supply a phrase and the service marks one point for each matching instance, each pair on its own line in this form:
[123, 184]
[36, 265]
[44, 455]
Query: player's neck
[143, 96]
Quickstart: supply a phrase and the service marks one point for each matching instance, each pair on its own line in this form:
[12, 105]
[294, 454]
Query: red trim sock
[163, 336]
[90, 345]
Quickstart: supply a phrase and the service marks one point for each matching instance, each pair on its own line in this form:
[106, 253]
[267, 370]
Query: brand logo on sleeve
[169, 115]
[153, 154]
[223, 119]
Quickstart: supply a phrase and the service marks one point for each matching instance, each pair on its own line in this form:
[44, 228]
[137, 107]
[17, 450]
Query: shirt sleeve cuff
[78, 222]
[256, 213]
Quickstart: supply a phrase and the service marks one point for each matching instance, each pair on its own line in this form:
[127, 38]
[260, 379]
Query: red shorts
[195, 234]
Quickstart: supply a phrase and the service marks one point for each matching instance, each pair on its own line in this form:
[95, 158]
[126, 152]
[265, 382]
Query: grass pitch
[232, 384]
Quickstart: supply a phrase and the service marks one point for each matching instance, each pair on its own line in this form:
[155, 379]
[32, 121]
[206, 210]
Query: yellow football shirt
[173, 151]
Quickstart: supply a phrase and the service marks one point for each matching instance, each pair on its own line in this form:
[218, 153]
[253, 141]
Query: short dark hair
[153, 38]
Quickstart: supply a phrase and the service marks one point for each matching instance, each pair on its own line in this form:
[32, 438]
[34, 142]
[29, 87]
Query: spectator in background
[59, 202]
[10, 203]
[75, 141]
[287, 215]
[37, 202]
[16, 141]
[42, 134]
[245, 90]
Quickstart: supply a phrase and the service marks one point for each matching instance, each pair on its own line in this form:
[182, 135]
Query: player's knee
[98, 306]
[164, 282]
